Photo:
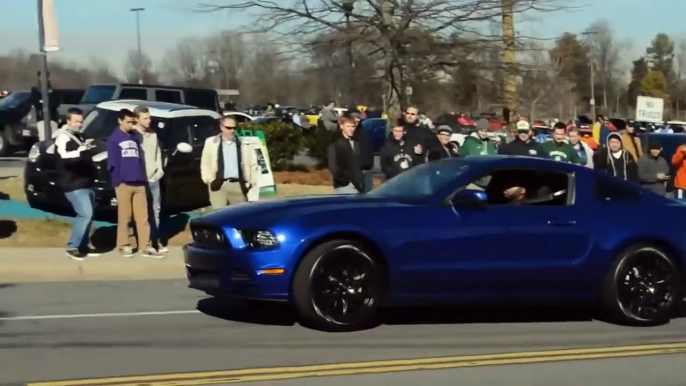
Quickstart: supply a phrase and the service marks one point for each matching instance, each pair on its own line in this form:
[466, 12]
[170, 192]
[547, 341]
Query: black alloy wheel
[338, 287]
[647, 286]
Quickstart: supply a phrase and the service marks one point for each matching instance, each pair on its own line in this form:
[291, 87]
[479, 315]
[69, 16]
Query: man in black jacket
[418, 134]
[523, 144]
[76, 177]
[362, 137]
[344, 159]
[446, 148]
[398, 154]
[615, 160]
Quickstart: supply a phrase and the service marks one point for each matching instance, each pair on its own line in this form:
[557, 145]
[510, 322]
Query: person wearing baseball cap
[523, 144]
[478, 143]
[447, 149]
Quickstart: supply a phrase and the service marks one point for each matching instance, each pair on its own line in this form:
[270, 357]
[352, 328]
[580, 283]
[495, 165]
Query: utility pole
[592, 102]
[45, 92]
[348, 7]
[138, 38]
[509, 64]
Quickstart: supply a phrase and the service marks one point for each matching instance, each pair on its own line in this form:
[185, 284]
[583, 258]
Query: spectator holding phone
[653, 170]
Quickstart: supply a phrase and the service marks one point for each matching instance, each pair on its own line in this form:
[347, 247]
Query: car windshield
[99, 123]
[13, 100]
[97, 94]
[421, 182]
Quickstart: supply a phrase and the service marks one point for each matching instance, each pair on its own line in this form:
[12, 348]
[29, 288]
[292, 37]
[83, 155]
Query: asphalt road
[11, 166]
[65, 331]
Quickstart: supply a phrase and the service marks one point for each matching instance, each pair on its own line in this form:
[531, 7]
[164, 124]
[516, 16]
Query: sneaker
[126, 252]
[152, 252]
[75, 254]
[90, 252]
[162, 249]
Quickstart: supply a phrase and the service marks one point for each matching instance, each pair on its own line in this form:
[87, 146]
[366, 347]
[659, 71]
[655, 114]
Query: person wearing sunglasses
[228, 167]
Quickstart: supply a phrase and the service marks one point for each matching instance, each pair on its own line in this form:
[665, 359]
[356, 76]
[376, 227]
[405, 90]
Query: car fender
[334, 232]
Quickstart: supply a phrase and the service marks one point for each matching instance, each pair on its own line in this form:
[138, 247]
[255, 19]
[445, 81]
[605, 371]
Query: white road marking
[103, 315]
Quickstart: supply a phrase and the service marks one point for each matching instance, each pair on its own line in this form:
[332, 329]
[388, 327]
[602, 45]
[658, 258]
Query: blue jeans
[82, 201]
[154, 209]
[367, 182]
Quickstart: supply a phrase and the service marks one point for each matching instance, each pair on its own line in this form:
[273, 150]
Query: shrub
[317, 145]
[284, 141]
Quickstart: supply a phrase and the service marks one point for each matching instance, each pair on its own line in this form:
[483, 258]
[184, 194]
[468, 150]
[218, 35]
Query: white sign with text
[649, 109]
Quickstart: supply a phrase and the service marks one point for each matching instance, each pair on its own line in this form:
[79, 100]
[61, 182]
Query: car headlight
[34, 153]
[258, 238]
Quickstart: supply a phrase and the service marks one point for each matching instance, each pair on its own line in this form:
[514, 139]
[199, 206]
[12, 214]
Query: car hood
[269, 212]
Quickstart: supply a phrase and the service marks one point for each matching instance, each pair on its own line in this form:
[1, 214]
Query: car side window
[239, 118]
[202, 99]
[531, 187]
[199, 128]
[607, 190]
[177, 132]
[133, 93]
[169, 96]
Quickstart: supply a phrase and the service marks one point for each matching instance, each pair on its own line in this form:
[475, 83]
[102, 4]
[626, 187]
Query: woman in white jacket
[582, 149]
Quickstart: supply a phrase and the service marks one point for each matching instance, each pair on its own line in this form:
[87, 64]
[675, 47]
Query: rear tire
[338, 287]
[643, 287]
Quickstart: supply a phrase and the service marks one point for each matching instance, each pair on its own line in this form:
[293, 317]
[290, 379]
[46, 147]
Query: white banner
[649, 109]
[50, 38]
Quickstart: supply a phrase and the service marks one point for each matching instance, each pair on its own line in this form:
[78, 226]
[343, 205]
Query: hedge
[284, 141]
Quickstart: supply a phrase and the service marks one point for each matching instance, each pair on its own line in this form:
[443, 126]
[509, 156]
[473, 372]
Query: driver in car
[515, 195]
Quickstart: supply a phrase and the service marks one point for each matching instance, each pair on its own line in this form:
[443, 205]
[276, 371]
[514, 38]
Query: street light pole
[45, 92]
[592, 61]
[348, 8]
[138, 38]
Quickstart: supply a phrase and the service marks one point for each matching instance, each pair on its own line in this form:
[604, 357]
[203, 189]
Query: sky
[106, 29]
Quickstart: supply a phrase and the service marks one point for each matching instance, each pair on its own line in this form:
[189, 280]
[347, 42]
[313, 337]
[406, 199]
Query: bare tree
[139, 68]
[606, 51]
[396, 29]
[187, 62]
[227, 53]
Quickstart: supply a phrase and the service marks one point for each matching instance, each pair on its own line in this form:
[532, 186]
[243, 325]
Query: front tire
[643, 287]
[338, 287]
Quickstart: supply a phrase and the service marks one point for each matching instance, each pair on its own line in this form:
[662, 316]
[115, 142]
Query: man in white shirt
[153, 168]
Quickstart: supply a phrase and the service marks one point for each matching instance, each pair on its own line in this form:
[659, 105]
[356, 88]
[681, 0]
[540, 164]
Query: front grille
[208, 235]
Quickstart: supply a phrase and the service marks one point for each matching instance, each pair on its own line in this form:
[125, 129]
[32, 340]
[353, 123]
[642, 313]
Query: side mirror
[470, 198]
[183, 147]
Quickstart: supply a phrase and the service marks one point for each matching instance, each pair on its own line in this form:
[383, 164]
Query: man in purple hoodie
[127, 170]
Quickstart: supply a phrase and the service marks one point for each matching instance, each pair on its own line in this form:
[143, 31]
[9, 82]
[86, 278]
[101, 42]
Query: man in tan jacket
[228, 167]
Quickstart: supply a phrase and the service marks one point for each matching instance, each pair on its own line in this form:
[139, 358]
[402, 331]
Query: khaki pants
[230, 193]
[132, 203]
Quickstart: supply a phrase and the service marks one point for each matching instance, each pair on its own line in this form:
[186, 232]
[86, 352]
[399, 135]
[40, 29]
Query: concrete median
[24, 265]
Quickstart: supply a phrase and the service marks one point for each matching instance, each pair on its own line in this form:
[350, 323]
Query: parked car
[182, 131]
[198, 97]
[239, 116]
[21, 112]
[445, 233]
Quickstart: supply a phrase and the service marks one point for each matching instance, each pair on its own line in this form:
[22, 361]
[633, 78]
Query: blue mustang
[474, 230]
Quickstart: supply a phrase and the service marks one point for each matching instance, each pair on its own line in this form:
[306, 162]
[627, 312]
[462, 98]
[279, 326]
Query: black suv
[203, 98]
[21, 111]
[176, 125]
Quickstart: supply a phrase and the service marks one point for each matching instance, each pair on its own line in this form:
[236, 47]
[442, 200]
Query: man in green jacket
[559, 150]
[478, 143]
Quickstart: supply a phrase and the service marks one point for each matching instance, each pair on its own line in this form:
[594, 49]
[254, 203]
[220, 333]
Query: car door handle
[562, 223]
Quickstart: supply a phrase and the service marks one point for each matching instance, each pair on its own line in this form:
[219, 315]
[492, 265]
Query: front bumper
[235, 273]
